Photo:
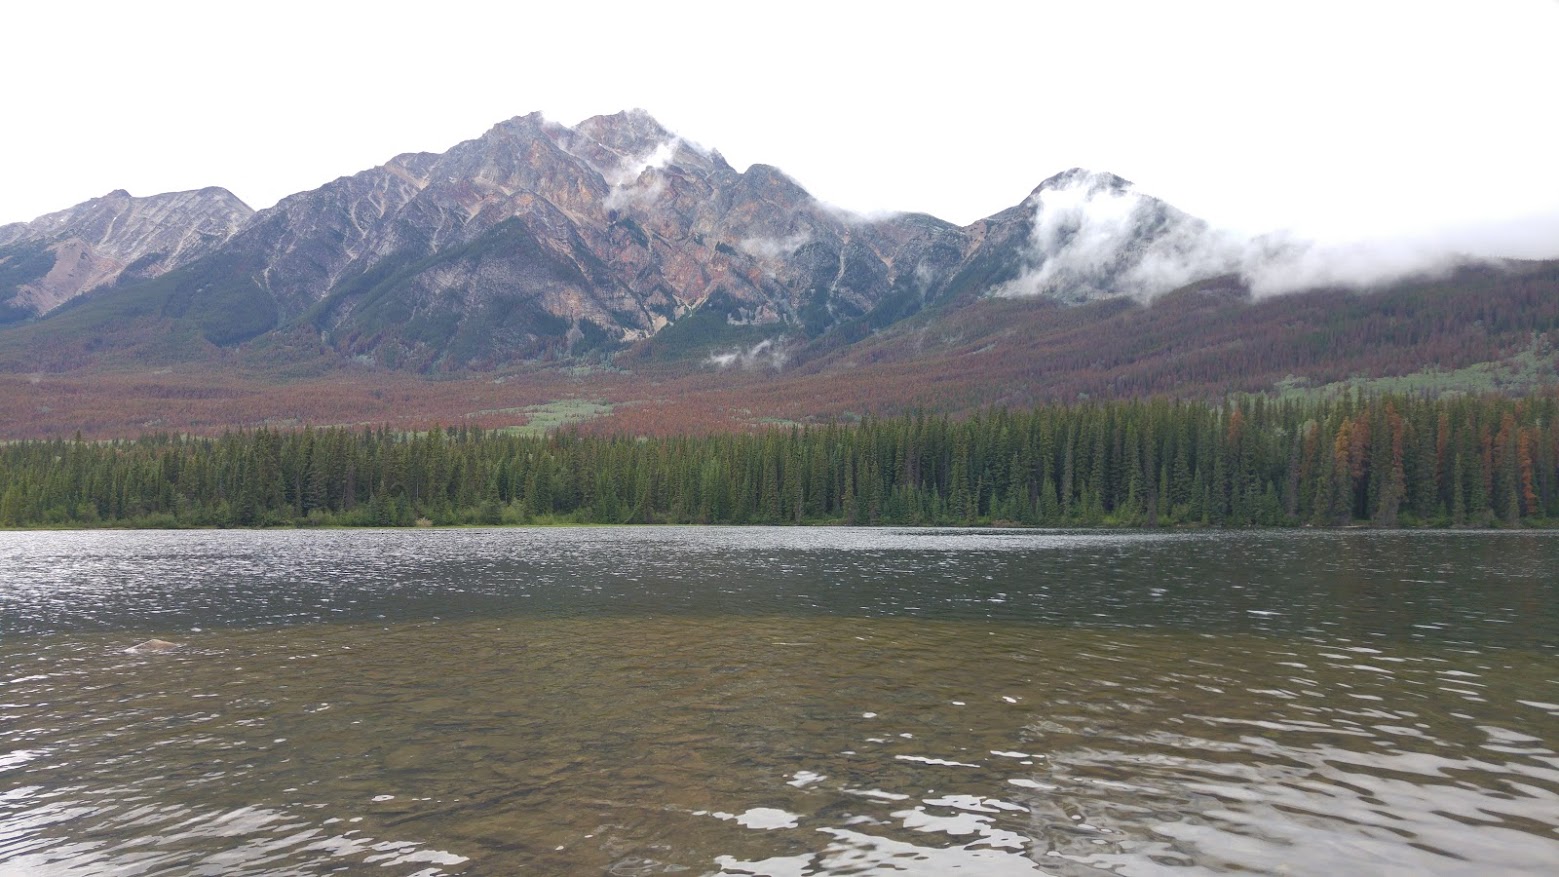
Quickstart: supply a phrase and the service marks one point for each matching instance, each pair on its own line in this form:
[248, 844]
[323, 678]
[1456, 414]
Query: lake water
[779, 702]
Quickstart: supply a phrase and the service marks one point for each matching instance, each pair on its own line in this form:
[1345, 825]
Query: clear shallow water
[779, 702]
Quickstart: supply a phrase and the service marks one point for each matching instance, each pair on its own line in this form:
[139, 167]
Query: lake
[779, 701]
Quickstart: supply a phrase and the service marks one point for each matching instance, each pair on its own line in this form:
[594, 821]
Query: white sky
[1338, 120]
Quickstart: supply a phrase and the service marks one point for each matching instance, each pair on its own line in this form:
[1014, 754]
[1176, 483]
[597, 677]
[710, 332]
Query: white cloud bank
[1095, 235]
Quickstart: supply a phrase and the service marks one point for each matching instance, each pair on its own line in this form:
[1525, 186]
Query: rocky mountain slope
[539, 241]
[112, 240]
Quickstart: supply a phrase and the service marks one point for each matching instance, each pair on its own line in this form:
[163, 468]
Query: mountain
[693, 295]
[539, 241]
[108, 241]
[536, 240]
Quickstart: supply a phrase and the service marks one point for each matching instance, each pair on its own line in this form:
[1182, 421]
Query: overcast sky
[1340, 121]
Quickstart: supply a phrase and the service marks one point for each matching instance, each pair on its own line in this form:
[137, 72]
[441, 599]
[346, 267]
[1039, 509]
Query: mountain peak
[528, 125]
[615, 227]
[629, 132]
[1078, 177]
[775, 183]
[221, 194]
[97, 241]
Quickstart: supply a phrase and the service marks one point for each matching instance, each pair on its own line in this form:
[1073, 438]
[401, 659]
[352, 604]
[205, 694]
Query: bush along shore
[1387, 461]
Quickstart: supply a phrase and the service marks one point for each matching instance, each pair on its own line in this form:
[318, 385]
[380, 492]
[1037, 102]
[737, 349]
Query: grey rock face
[537, 240]
[56, 257]
[509, 245]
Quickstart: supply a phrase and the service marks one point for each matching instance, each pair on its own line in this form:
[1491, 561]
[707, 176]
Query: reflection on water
[808, 703]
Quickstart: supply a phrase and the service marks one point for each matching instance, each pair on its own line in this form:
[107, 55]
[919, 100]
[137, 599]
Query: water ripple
[779, 702]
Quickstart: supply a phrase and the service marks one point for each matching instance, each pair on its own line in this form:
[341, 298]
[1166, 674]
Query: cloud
[774, 248]
[1095, 235]
[631, 181]
[1276, 264]
[765, 354]
[631, 168]
[641, 193]
[851, 217]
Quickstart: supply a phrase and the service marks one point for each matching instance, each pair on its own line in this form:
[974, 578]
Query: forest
[1387, 461]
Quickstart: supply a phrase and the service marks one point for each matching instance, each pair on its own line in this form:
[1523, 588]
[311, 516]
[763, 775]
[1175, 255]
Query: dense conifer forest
[1387, 461]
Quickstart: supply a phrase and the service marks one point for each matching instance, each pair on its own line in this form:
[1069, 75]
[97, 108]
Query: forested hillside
[1478, 330]
[1388, 461]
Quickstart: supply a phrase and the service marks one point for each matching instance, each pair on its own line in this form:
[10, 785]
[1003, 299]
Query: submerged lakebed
[779, 701]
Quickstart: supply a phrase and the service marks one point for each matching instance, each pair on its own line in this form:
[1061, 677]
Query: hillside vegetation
[1480, 330]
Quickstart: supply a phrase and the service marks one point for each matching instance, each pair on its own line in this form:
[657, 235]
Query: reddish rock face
[538, 241]
[614, 229]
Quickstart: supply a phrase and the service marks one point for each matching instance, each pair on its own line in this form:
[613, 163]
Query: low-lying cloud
[1096, 235]
[774, 248]
[765, 354]
[630, 185]
[630, 169]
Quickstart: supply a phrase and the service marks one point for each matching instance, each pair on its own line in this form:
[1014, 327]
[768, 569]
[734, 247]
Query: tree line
[1387, 461]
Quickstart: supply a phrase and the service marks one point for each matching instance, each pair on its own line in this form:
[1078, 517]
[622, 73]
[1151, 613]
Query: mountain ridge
[536, 253]
[97, 242]
[536, 240]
